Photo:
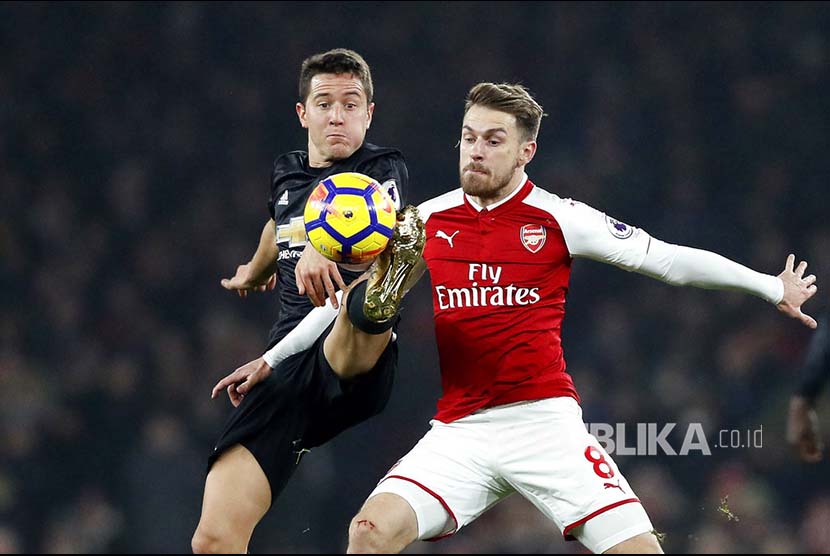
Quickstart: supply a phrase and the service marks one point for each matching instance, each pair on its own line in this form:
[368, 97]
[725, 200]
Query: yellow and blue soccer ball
[349, 218]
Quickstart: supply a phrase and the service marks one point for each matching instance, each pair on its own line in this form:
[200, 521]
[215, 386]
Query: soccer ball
[349, 218]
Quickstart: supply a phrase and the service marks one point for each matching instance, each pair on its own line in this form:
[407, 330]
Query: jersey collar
[516, 195]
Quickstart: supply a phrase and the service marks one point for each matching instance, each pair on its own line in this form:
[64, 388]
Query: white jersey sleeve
[592, 234]
[303, 335]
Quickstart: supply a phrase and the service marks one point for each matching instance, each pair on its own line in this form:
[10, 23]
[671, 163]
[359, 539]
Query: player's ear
[527, 152]
[300, 107]
[369, 112]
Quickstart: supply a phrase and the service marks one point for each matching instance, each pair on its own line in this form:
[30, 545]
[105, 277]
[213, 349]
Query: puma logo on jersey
[449, 239]
[612, 485]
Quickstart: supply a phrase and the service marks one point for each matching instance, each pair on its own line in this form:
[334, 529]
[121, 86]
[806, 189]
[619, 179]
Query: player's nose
[477, 150]
[336, 115]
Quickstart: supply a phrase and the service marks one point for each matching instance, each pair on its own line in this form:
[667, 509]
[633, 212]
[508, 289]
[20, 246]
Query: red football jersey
[499, 278]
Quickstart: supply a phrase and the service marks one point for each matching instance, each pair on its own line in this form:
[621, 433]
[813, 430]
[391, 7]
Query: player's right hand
[242, 282]
[802, 430]
[318, 278]
[240, 382]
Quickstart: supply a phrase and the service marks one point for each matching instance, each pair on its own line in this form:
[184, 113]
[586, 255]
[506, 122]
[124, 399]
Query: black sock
[357, 296]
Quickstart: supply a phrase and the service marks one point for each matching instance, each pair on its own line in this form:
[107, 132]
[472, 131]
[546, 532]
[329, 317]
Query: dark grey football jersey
[292, 180]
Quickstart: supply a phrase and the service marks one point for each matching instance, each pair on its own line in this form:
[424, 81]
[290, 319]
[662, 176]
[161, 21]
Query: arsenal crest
[533, 237]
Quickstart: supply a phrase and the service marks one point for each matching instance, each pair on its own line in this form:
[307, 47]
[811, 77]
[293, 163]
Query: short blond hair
[512, 99]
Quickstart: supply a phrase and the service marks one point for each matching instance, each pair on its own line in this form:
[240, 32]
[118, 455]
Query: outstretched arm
[682, 266]
[590, 233]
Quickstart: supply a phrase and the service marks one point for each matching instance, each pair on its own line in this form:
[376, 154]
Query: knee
[203, 543]
[210, 542]
[366, 538]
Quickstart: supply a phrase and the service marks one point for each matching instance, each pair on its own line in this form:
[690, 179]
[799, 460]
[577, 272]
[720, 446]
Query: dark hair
[510, 98]
[337, 61]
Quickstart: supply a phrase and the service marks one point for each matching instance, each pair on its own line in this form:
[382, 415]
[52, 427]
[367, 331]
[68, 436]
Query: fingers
[807, 320]
[272, 283]
[234, 395]
[227, 382]
[335, 274]
[233, 285]
[250, 382]
[788, 266]
[802, 266]
[315, 292]
[220, 386]
[330, 290]
[796, 313]
[245, 387]
[306, 285]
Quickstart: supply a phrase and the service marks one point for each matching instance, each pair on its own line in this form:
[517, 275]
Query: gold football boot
[397, 268]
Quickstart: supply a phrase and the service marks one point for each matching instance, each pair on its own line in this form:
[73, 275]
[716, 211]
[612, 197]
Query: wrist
[269, 360]
[776, 293]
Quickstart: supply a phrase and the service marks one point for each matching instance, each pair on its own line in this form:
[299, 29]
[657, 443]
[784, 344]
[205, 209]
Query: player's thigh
[237, 494]
[270, 424]
[339, 404]
[644, 543]
[446, 478]
[563, 470]
[625, 529]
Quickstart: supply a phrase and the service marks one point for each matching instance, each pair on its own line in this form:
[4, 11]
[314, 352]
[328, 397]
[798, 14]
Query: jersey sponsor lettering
[293, 233]
[481, 295]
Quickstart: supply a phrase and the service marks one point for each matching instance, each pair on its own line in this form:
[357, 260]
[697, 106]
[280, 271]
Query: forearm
[264, 262]
[303, 335]
[682, 266]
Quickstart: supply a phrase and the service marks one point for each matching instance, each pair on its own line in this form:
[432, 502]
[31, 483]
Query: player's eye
[468, 139]
[323, 105]
[494, 142]
[351, 106]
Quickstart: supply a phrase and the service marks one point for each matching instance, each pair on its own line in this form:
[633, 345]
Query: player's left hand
[803, 431]
[240, 382]
[318, 278]
[797, 290]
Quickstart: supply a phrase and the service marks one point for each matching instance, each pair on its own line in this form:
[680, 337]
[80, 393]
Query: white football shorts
[540, 449]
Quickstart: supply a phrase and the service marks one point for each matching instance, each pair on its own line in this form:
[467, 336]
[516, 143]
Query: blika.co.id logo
[652, 439]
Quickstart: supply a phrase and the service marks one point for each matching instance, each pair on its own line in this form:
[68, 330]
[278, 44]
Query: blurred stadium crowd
[135, 149]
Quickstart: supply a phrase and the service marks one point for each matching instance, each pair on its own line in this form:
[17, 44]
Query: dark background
[136, 142]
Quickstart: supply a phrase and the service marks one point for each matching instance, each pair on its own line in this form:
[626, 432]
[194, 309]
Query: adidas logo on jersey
[283, 198]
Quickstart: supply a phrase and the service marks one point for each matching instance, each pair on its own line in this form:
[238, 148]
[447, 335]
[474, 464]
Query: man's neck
[315, 160]
[516, 182]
